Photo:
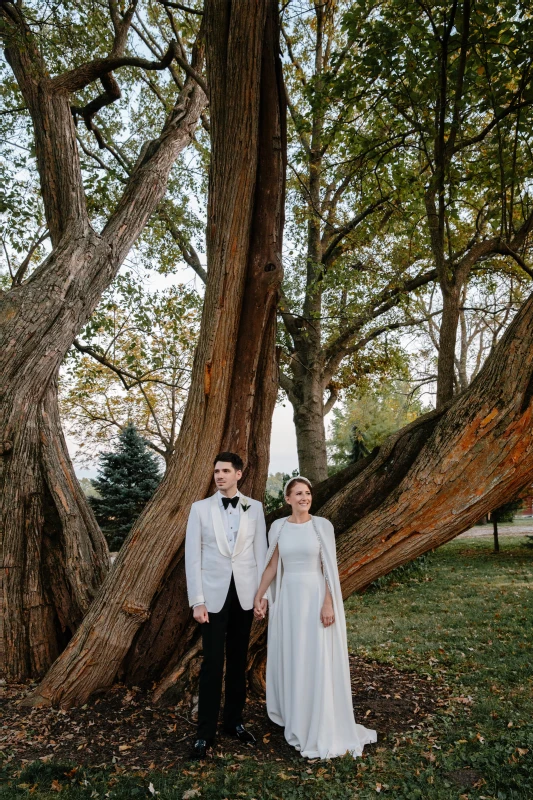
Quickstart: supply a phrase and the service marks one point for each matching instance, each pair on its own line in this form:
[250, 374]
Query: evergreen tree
[127, 479]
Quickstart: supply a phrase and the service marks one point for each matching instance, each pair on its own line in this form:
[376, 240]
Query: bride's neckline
[300, 523]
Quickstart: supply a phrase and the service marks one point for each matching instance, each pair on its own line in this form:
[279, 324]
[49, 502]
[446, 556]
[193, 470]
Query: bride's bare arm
[266, 580]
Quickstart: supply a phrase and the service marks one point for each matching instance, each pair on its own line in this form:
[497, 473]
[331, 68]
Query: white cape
[332, 710]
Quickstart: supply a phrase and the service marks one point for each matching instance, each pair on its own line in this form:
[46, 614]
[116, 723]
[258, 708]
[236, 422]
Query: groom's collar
[220, 495]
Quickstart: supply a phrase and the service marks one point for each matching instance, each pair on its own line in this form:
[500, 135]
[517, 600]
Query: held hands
[327, 615]
[260, 608]
[200, 614]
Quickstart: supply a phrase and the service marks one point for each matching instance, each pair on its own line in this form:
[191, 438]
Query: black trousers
[229, 629]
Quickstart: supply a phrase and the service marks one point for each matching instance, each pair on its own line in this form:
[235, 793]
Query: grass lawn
[463, 620]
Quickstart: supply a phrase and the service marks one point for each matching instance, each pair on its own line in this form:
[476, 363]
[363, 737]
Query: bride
[307, 675]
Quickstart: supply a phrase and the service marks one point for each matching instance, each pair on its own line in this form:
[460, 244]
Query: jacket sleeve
[260, 543]
[193, 558]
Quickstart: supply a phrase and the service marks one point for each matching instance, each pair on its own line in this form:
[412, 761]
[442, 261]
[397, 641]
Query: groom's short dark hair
[233, 458]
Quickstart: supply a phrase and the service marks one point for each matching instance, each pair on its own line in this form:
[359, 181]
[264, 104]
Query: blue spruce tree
[126, 480]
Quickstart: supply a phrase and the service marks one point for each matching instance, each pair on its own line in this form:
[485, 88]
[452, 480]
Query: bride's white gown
[307, 690]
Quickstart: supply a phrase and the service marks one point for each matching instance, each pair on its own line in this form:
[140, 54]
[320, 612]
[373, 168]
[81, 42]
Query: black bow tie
[233, 500]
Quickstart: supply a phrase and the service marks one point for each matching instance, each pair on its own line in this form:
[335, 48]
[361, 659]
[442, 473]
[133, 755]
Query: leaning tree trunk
[53, 556]
[234, 358]
[437, 477]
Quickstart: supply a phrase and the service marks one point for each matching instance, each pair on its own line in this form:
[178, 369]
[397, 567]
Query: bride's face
[300, 497]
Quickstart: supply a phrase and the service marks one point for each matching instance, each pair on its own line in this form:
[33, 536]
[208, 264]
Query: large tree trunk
[53, 556]
[307, 398]
[451, 302]
[146, 584]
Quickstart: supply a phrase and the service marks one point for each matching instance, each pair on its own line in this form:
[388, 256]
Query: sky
[283, 454]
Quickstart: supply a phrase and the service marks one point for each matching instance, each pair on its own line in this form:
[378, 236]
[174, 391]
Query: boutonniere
[245, 507]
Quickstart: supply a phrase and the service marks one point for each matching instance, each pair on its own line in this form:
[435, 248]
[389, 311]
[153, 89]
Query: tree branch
[21, 271]
[82, 76]
[149, 176]
[333, 397]
[290, 320]
[110, 95]
[180, 7]
[188, 252]
[286, 383]
[511, 108]
[384, 301]
[123, 374]
[340, 233]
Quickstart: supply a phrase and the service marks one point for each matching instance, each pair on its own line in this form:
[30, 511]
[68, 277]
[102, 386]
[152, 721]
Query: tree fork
[254, 383]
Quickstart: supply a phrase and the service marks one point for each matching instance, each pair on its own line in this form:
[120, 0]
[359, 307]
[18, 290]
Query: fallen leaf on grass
[191, 793]
[55, 786]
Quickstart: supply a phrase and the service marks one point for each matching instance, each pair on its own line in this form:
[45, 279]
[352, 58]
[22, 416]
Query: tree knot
[141, 613]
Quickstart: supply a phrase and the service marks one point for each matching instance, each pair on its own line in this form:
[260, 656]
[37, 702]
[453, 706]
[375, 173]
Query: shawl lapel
[218, 525]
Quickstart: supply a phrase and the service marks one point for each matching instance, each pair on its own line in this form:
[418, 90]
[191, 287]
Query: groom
[225, 549]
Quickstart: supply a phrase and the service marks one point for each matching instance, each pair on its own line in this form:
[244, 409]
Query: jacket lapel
[218, 525]
[243, 526]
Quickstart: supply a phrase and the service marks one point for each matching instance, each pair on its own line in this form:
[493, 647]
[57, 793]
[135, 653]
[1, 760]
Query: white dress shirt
[231, 518]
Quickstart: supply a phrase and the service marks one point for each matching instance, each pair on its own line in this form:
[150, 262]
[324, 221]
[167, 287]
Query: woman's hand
[327, 615]
[260, 607]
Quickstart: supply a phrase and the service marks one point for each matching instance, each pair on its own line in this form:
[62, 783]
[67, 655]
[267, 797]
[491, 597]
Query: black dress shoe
[242, 734]
[200, 747]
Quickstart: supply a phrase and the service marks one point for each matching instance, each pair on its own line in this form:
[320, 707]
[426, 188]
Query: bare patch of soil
[125, 728]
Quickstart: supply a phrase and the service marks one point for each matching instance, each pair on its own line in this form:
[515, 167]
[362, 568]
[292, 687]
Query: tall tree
[357, 255]
[126, 480]
[53, 555]
[142, 608]
[455, 82]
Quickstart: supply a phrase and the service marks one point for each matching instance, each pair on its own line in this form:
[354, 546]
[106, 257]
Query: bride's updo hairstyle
[287, 489]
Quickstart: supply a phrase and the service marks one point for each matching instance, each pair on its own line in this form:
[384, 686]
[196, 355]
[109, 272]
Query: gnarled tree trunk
[143, 600]
[53, 556]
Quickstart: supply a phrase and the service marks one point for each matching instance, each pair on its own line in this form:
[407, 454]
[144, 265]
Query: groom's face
[226, 476]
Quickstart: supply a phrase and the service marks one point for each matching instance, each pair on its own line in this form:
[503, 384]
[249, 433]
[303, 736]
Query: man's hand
[200, 614]
[260, 608]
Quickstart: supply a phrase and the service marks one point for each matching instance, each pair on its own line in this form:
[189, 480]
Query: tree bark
[53, 556]
[451, 301]
[146, 584]
[307, 398]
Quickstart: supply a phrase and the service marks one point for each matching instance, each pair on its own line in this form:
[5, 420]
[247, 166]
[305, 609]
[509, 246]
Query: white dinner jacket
[209, 562]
